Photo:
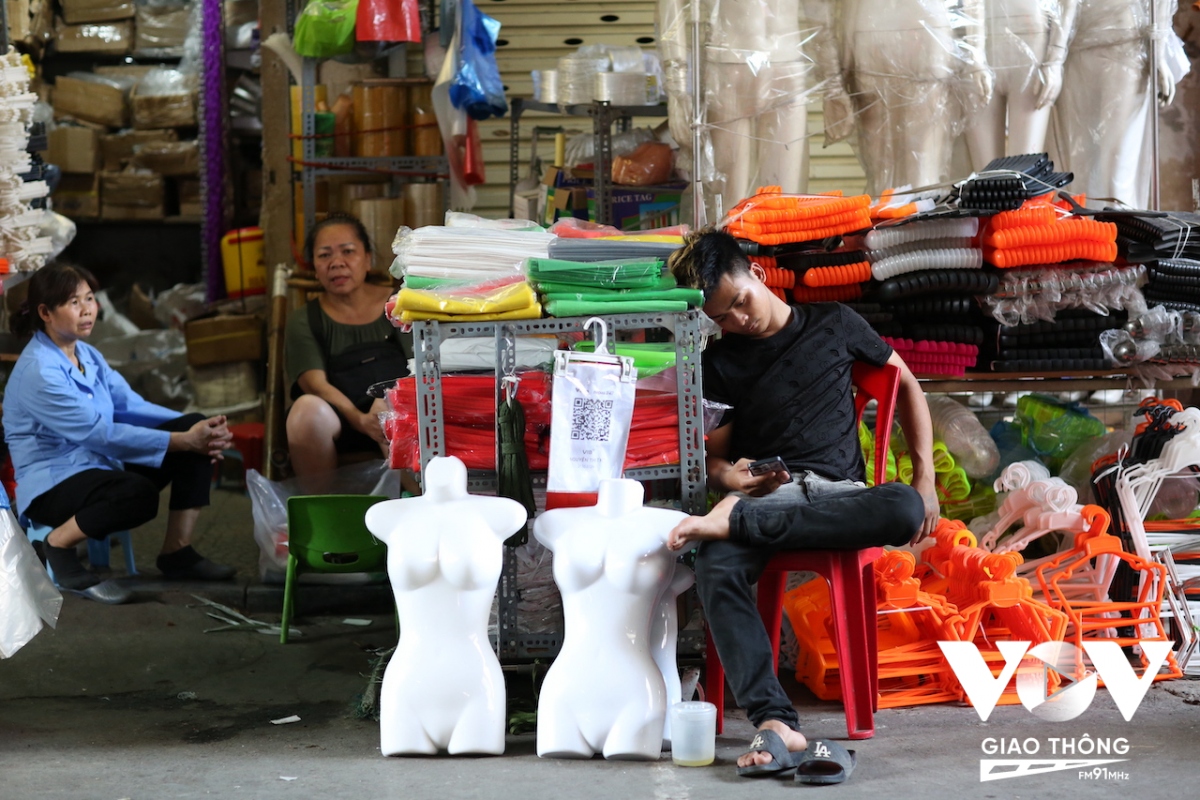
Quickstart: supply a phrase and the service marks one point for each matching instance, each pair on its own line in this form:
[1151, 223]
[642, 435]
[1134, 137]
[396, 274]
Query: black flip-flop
[825, 762]
[782, 759]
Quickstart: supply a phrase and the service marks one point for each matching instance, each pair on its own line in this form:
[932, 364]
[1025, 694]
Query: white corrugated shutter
[534, 34]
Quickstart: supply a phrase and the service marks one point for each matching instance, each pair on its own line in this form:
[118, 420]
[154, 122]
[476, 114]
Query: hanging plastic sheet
[388, 21]
[477, 87]
[325, 28]
[591, 412]
[27, 597]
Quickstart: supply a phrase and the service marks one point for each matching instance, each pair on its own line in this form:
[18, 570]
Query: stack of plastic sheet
[626, 286]
[469, 423]
[500, 299]
[773, 218]
[466, 253]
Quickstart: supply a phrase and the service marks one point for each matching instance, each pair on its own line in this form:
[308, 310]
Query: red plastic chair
[851, 584]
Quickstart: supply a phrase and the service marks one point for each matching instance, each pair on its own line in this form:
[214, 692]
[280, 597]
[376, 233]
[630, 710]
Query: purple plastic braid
[212, 128]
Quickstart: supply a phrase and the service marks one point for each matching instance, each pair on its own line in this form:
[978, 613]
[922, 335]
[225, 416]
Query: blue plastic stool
[97, 549]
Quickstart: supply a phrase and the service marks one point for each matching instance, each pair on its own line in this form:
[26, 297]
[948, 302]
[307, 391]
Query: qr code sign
[591, 419]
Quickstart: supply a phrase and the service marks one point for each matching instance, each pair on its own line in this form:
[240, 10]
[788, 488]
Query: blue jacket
[59, 422]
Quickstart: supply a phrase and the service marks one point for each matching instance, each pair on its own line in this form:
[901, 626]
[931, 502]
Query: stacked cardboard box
[125, 135]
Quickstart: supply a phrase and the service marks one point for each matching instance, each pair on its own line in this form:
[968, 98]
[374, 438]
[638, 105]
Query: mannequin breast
[768, 32]
[1018, 16]
[591, 556]
[466, 558]
[884, 16]
[1104, 23]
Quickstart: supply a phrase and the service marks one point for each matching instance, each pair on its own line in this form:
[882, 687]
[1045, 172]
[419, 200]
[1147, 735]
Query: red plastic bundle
[772, 218]
[1039, 233]
[926, 357]
[469, 430]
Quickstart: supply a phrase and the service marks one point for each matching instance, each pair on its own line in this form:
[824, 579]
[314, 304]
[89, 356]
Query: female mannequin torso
[443, 688]
[604, 693]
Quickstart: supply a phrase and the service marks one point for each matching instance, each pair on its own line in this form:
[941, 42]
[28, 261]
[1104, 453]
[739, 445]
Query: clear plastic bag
[325, 28]
[268, 507]
[964, 436]
[27, 597]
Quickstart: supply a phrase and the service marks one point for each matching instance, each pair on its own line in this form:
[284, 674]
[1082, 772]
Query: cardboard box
[19, 19]
[131, 195]
[642, 208]
[224, 339]
[78, 196]
[191, 202]
[91, 101]
[76, 12]
[141, 310]
[164, 110]
[168, 158]
[111, 38]
[74, 149]
[162, 29]
[222, 385]
[116, 149]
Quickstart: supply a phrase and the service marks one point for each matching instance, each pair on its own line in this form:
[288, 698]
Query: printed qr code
[591, 419]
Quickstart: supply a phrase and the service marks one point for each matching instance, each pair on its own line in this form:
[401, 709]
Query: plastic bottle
[965, 436]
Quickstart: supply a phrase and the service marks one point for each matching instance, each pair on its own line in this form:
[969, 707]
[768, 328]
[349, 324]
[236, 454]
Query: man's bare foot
[713, 525]
[794, 740]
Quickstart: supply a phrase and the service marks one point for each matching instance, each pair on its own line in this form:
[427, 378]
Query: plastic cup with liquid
[693, 733]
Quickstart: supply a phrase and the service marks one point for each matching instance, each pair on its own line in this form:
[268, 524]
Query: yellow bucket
[242, 257]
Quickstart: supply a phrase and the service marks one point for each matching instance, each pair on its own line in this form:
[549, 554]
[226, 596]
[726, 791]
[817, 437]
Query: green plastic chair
[328, 533]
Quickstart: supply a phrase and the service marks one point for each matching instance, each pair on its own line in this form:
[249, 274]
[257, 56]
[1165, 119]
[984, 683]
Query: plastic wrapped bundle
[465, 253]
[771, 217]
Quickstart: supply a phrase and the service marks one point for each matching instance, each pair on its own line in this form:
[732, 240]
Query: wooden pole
[276, 221]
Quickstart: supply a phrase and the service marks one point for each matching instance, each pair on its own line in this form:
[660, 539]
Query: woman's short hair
[336, 218]
[706, 257]
[51, 286]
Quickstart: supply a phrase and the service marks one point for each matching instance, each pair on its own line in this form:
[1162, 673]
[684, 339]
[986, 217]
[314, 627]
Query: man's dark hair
[51, 286]
[336, 218]
[706, 257]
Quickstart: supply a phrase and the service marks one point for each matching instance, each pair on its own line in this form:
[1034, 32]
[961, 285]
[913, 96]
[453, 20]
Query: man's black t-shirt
[791, 392]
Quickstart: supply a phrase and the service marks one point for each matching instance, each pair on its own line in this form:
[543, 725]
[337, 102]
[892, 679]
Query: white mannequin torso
[604, 693]
[664, 637]
[443, 689]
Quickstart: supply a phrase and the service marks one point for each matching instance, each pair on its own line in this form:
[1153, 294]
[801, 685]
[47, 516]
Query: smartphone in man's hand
[765, 466]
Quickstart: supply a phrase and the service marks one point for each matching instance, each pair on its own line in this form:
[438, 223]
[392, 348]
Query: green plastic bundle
[619, 274]
[649, 358]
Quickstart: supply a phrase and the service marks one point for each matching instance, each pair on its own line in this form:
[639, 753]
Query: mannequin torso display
[1026, 46]
[1102, 115]
[604, 693]
[443, 689]
[910, 63]
[755, 80]
[664, 637]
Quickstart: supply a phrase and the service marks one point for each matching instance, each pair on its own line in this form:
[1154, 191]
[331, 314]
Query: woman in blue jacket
[90, 454]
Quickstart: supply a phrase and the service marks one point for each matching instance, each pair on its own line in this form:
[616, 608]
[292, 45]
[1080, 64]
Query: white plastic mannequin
[1102, 115]
[664, 638]
[916, 71]
[755, 80]
[604, 693]
[1026, 48]
[443, 689]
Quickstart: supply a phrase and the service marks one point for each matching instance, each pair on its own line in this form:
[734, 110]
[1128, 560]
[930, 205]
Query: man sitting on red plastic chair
[786, 372]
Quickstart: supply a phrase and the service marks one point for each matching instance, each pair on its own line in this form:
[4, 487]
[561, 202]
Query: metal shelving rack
[317, 167]
[427, 339]
[603, 116]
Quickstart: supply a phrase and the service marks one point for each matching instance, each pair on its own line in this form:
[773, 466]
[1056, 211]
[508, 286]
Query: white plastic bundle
[21, 241]
[959, 258]
[577, 77]
[881, 238]
[466, 253]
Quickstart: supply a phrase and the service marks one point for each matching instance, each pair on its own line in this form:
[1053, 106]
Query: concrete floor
[99, 709]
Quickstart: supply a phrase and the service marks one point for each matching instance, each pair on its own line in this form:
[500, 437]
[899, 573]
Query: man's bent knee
[905, 511]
